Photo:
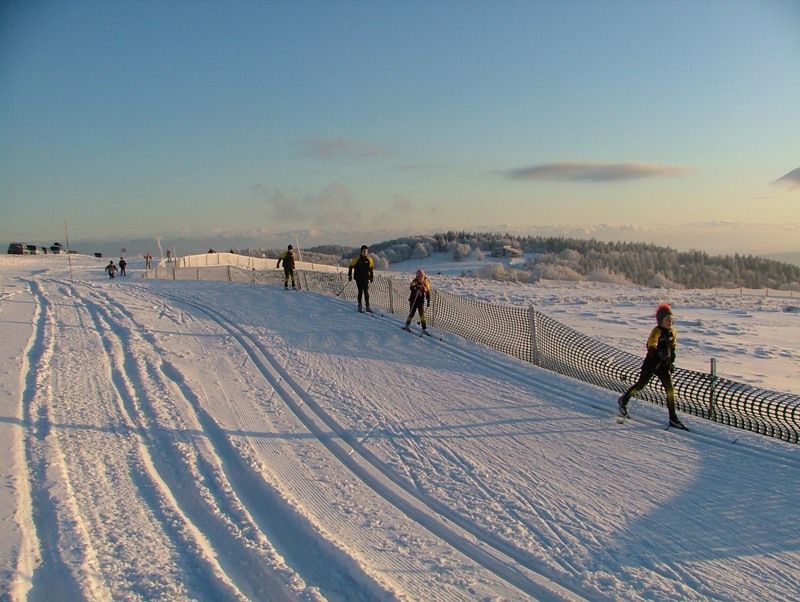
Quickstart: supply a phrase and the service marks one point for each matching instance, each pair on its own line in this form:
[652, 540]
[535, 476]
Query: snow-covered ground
[753, 334]
[170, 440]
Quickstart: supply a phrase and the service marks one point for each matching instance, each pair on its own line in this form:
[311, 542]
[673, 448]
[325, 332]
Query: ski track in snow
[374, 474]
[174, 446]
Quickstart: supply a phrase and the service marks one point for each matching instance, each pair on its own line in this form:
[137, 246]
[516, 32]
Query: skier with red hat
[659, 361]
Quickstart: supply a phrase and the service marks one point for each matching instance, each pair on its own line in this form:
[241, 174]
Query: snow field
[215, 441]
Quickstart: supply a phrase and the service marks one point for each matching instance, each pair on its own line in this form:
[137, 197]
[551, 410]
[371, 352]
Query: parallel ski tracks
[41, 535]
[221, 564]
[253, 506]
[513, 565]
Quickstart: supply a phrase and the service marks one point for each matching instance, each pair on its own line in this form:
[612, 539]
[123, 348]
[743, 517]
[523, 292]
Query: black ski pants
[363, 290]
[666, 379]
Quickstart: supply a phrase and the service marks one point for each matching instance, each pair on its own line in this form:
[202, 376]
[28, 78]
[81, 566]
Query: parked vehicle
[16, 248]
[56, 248]
[32, 249]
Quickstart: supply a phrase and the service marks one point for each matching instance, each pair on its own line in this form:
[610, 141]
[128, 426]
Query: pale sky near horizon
[673, 122]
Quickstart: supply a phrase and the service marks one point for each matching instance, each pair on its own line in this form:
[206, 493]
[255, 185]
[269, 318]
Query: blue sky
[671, 122]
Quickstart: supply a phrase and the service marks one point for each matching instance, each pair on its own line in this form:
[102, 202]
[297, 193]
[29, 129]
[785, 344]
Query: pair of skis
[621, 418]
[423, 333]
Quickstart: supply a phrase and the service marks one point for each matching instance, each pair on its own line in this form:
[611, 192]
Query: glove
[429, 303]
[672, 368]
[371, 279]
[350, 277]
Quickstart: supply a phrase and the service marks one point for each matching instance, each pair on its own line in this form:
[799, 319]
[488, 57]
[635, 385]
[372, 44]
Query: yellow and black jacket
[420, 292]
[361, 267]
[660, 350]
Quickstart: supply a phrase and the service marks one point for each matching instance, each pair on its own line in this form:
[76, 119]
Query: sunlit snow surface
[214, 441]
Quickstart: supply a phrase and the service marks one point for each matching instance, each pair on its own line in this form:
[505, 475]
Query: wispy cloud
[340, 148]
[334, 204]
[401, 212]
[791, 180]
[593, 172]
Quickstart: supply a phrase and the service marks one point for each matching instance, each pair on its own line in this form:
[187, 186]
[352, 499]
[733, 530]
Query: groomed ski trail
[426, 511]
[435, 470]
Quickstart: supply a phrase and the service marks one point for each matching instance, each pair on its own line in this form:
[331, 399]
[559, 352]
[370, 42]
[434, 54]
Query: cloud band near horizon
[791, 180]
[593, 172]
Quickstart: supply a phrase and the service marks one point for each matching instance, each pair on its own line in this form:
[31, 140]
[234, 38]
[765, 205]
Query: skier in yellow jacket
[362, 266]
[659, 361]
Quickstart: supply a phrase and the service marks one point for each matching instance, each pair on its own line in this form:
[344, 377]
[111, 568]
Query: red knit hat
[663, 310]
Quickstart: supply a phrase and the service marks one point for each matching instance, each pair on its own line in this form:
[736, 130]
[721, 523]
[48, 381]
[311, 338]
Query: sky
[346, 121]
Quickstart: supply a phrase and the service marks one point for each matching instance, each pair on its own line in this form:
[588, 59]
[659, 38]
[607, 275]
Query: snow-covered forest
[575, 260]
[623, 263]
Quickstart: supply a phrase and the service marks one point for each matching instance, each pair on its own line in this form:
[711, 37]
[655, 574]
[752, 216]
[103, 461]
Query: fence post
[534, 345]
[713, 388]
[229, 273]
[391, 297]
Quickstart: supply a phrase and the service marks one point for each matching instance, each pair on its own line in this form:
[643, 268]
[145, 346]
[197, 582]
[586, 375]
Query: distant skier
[122, 265]
[420, 297]
[659, 361]
[362, 267]
[288, 266]
[111, 269]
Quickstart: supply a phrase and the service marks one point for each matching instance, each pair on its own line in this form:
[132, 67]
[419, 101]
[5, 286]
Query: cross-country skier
[420, 297]
[111, 269]
[362, 268]
[659, 361]
[288, 266]
[122, 265]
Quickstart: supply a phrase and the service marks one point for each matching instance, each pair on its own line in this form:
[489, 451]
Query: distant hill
[793, 258]
[579, 259]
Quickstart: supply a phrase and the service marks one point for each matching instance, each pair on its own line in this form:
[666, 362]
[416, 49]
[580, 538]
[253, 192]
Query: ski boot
[675, 422]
